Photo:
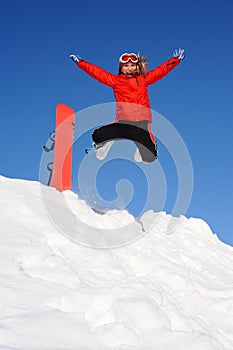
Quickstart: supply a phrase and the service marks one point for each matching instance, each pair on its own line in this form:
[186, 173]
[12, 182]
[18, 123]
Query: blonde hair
[142, 65]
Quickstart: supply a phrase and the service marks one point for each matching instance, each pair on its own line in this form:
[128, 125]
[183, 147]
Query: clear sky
[196, 98]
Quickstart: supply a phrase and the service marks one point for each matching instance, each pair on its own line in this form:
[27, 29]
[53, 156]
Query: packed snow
[167, 284]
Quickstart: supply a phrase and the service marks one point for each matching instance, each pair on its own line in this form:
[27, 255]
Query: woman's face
[129, 68]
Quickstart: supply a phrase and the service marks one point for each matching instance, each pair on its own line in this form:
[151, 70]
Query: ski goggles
[126, 57]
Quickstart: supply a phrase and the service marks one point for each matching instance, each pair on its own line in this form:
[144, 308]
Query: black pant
[134, 131]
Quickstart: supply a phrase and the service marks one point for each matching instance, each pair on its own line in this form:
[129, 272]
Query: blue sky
[196, 98]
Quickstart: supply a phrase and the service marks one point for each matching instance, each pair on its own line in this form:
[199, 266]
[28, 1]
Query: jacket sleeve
[162, 70]
[97, 73]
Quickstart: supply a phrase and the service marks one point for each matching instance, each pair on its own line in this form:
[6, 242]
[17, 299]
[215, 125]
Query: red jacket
[131, 93]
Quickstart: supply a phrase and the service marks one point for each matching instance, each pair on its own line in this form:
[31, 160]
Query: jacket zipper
[137, 81]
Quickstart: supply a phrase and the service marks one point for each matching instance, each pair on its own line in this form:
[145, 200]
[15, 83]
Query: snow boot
[102, 149]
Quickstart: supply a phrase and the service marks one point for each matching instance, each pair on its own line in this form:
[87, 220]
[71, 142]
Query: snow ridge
[171, 288]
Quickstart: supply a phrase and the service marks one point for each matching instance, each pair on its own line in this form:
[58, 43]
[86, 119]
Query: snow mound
[169, 286]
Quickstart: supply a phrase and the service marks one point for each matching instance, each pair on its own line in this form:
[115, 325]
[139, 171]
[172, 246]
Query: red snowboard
[64, 135]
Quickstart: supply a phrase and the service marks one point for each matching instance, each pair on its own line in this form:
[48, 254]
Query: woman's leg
[134, 131]
[108, 132]
[140, 133]
[149, 152]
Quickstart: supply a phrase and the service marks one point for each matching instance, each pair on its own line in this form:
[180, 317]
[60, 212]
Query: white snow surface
[165, 290]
